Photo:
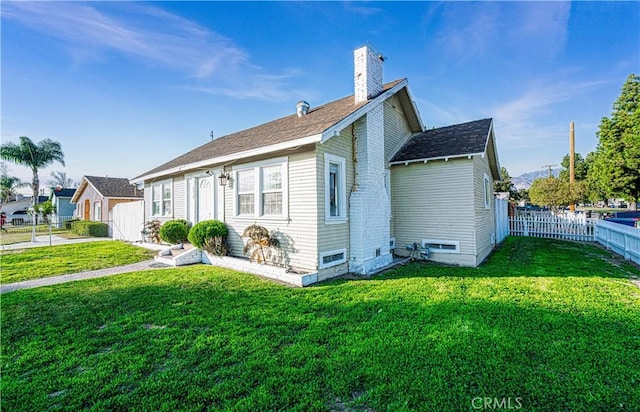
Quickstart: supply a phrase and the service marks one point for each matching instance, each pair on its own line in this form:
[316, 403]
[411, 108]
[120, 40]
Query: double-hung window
[161, 195]
[261, 189]
[272, 190]
[246, 192]
[335, 189]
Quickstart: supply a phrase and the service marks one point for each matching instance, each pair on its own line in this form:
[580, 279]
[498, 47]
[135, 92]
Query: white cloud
[152, 35]
[540, 97]
[468, 30]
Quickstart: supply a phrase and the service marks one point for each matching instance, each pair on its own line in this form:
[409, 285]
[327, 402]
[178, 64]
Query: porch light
[223, 178]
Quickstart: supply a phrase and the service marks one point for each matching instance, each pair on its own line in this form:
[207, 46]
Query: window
[261, 189]
[246, 192]
[97, 212]
[272, 190]
[335, 189]
[488, 192]
[442, 246]
[333, 258]
[161, 199]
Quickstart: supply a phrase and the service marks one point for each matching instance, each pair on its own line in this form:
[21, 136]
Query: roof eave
[83, 183]
[233, 156]
[491, 139]
[431, 159]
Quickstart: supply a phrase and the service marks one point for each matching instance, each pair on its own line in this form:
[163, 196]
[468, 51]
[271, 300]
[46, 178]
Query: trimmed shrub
[175, 231]
[88, 228]
[68, 223]
[210, 235]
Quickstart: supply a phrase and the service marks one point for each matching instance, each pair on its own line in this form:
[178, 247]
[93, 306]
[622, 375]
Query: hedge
[88, 228]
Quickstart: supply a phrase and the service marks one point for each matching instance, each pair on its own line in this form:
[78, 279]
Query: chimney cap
[302, 108]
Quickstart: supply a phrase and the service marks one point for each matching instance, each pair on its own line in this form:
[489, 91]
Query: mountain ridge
[524, 180]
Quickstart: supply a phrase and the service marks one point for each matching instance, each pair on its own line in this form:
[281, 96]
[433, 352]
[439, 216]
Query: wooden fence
[552, 227]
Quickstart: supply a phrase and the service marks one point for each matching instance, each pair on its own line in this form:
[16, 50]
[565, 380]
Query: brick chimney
[367, 73]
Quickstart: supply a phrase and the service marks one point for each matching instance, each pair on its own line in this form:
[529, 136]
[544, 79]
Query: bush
[88, 228]
[68, 223]
[175, 231]
[210, 235]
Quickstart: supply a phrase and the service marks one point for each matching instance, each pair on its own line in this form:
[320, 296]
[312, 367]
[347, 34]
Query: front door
[87, 210]
[205, 198]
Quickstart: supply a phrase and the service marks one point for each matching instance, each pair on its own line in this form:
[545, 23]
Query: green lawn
[18, 234]
[551, 325]
[39, 262]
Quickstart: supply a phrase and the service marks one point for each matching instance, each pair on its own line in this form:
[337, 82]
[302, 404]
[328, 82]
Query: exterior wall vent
[302, 108]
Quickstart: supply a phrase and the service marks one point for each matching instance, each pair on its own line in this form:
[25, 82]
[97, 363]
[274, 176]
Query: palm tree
[34, 156]
[61, 179]
[8, 186]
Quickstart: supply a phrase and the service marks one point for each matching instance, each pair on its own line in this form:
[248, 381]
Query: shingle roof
[63, 192]
[113, 186]
[281, 130]
[456, 140]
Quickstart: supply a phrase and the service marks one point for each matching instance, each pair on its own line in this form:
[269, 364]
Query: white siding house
[442, 192]
[321, 181]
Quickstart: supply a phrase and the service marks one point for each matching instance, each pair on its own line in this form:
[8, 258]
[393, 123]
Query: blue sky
[126, 86]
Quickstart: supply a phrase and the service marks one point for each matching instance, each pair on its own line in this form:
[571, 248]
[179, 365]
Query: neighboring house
[320, 180]
[21, 203]
[61, 199]
[95, 196]
[442, 192]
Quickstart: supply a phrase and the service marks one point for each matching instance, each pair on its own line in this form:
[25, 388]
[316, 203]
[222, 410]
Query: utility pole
[572, 155]
[548, 167]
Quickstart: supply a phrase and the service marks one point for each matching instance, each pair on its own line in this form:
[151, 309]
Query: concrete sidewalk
[55, 280]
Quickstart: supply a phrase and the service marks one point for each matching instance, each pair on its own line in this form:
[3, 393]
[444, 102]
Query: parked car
[628, 221]
[19, 217]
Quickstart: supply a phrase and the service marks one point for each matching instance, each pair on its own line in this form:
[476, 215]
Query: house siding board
[179, 193]
[93, 196]
[431, 201]
[333, 236]
[396, 129]
[64, 207]
[484, 224]
[298, 234]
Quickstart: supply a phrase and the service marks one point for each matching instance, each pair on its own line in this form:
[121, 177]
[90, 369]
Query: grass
[18, 234]
[40, 262]
[554, 324]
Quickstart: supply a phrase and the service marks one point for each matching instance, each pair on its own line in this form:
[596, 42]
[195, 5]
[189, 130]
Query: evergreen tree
[616, 168]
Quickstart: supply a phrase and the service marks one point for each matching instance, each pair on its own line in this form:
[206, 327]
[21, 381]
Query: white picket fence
[552, 227]
[621, 239]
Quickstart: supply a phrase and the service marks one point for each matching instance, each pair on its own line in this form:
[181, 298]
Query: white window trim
[161, 184]
[257, 187]
[97, 207]
[487, 192]
[328, 160]
[456, 243]
[335, 262]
